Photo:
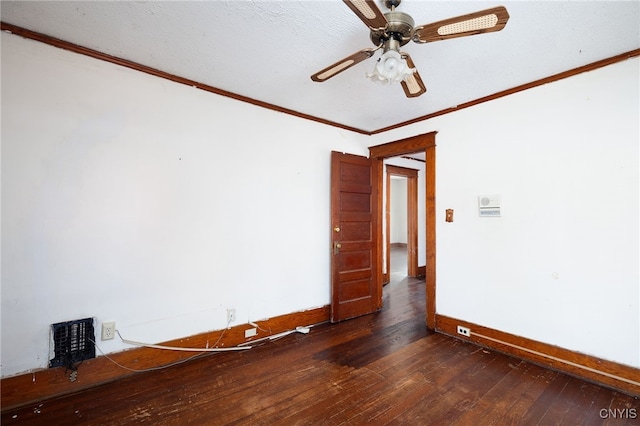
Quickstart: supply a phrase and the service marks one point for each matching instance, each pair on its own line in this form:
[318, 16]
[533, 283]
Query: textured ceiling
[266, 50]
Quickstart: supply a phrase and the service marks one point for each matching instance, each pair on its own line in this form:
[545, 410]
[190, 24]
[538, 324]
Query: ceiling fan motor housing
[400, 28]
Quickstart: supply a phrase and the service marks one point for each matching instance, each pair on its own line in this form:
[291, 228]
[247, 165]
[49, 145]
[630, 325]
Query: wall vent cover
[72, 342]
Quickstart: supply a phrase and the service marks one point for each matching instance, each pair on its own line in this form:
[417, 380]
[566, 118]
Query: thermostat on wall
[489, 205]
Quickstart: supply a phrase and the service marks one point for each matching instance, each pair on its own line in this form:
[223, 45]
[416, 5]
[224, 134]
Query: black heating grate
[73, 341]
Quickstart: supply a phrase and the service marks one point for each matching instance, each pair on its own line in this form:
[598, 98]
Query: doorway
[401, 221]
[425, 143]
[397, 235]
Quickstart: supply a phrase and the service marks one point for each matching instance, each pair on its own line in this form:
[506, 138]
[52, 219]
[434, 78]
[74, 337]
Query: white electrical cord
[178, 348]
[144, 370]
[299, 329]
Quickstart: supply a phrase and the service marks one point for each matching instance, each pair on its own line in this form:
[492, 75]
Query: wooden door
[356, 287]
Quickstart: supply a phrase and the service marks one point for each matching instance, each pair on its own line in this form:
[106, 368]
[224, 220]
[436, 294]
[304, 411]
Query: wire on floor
[179, 348]
[144, 370]
[201, 351]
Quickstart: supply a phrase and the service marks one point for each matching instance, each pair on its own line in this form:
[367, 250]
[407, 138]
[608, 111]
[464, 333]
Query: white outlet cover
[108, 330]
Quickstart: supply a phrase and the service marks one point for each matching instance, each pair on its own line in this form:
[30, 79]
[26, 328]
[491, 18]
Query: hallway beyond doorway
[398, 265]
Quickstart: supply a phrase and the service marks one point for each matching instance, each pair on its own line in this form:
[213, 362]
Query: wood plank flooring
[384, 368]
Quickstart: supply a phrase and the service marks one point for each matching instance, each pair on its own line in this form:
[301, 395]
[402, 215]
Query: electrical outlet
[464, 331]
[231, 315]
[108, 330]
[250, 332]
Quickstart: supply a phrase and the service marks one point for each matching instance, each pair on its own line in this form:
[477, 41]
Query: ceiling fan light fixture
[391, 68]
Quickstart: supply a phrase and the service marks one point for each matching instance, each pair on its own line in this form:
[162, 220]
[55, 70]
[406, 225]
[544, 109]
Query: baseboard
[46, 383]
[607, 373]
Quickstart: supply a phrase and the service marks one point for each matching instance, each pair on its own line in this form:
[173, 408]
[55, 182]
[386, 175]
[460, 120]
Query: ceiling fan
[391, 30]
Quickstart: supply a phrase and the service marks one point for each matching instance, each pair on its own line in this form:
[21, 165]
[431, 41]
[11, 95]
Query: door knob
[337, 229]
[336, 248]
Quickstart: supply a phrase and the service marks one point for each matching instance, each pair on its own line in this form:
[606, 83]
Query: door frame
[421, 143]
[411, 176]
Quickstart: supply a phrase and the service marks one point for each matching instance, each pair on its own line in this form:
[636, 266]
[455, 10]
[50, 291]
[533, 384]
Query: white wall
[398, 211]
[561, 265]
[130, 198]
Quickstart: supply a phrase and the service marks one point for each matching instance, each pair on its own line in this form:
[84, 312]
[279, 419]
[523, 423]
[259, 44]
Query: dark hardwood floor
[384, 368]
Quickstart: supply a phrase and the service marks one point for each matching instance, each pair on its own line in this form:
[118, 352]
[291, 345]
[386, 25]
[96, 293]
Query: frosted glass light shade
[391, 68]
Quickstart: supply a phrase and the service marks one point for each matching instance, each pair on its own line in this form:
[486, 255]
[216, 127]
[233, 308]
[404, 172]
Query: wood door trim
[405, 146]
[401, 171]
[412, 219]
[427, 143]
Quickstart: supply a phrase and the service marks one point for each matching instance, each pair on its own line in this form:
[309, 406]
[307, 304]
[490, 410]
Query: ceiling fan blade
[412, 85]
[370, 14]
[484, 21]
[342, 65]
